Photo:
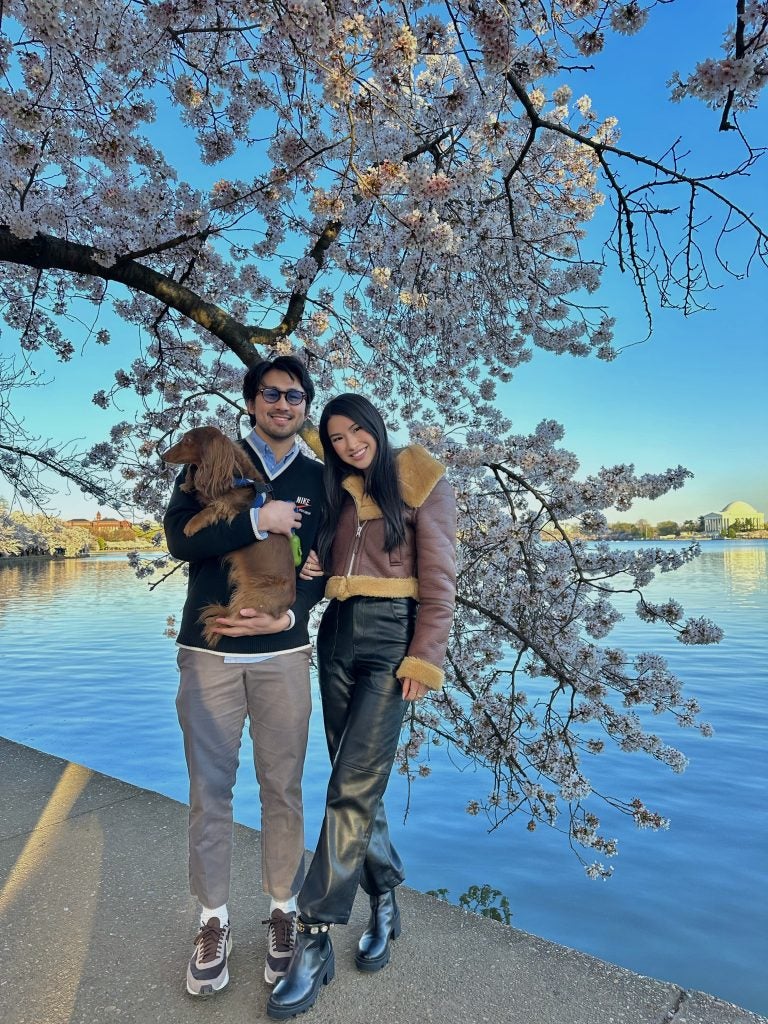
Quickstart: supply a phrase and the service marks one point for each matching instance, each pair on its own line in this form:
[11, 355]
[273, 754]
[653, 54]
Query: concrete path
[97, 926]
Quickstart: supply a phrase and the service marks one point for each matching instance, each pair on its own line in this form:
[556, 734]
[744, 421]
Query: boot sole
[286, 1012]
[369, 966]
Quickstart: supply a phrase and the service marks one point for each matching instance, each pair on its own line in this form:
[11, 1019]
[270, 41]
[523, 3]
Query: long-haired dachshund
[262, 575]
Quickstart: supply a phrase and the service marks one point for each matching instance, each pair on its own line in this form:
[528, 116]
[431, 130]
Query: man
[260, 669]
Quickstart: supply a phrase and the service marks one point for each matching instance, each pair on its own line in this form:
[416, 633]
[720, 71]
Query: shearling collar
[417, 474]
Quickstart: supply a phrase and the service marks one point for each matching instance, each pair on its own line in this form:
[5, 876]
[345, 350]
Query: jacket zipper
[355, 546]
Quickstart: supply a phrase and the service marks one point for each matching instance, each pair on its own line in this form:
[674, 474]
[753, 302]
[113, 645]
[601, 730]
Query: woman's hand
[252, 623]
[311, 567]
[412, 689]
[279, 517]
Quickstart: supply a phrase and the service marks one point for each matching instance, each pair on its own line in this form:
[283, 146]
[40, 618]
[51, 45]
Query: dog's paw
[195, 524]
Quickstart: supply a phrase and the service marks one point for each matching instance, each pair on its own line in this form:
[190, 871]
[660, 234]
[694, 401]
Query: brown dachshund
[262, 575]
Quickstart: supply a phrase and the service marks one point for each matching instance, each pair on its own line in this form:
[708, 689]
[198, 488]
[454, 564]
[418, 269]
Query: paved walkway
[97, 925]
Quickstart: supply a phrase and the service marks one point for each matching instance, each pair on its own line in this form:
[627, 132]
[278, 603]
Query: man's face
[279, 421]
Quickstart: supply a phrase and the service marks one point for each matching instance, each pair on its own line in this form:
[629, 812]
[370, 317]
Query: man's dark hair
[288, 364]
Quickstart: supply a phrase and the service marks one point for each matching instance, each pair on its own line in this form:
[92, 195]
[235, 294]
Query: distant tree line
[739, 526]
[23, 533]
[644, 530]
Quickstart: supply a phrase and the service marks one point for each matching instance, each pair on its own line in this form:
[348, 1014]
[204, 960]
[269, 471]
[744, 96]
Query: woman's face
[351, 443]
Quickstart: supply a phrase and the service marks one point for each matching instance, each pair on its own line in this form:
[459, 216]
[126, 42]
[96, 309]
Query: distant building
[737, 513]
[102, 526]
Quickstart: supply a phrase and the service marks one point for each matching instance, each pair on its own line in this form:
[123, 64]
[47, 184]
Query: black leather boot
[311, 967]
[383, 925]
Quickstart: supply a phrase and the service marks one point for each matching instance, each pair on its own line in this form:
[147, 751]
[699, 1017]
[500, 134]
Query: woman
[387, 542]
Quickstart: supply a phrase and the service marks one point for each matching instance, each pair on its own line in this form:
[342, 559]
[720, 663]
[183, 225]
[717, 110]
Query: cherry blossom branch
[66, 468]
[673, 174]
[44, 252]
[739, 51]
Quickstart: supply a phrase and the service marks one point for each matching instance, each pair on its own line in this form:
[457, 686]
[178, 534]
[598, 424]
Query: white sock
[287, 906]
[206, 913]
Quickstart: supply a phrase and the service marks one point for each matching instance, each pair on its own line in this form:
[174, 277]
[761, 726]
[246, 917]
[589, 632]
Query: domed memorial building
[737, 513]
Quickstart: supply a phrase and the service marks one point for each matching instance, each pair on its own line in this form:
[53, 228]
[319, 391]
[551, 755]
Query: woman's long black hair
[380, 480]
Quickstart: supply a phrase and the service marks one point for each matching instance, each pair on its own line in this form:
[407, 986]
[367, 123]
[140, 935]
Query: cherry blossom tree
[21, 533]
[402, 194]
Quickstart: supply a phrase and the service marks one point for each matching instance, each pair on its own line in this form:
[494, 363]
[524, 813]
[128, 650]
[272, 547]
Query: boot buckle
[311, 929]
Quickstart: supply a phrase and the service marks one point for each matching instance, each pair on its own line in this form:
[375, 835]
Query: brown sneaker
[208, 972]
[281, 938]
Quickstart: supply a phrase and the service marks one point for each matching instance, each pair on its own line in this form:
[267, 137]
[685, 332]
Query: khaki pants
[212, 703]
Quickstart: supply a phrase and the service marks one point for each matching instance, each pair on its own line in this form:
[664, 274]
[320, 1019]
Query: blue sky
[694, 393]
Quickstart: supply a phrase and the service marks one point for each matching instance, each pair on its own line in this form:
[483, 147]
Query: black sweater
[301, 483]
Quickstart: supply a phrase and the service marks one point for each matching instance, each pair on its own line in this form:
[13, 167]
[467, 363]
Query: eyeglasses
[292, 396]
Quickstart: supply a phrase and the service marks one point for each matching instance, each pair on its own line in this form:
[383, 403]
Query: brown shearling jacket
[423, 567]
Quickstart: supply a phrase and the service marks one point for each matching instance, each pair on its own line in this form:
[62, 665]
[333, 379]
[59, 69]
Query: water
[86, 674]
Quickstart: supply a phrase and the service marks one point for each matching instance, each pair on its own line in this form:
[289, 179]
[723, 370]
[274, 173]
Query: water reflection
[745, 567]
[86, 673]
[50, 579]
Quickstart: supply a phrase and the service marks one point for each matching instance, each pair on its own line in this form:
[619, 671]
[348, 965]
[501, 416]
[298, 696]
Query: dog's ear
[180, 454]
[189, 486]
[216, 468]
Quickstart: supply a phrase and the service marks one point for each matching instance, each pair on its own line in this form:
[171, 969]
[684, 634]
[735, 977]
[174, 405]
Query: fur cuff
[342, 587]
[421, 671]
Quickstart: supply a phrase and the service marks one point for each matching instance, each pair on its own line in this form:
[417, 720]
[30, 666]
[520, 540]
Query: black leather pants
[360, 643]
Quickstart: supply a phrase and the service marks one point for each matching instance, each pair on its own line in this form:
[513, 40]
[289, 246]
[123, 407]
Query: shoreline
[759, 535]
[51, 557]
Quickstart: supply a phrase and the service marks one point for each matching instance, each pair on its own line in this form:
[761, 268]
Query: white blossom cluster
[738, 77]
[401, 193]
[533, 694]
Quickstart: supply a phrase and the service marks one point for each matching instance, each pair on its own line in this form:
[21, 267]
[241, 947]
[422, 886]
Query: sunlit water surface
[86, 674]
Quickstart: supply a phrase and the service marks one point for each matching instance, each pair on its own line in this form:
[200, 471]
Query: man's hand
[412, 689]
[279, 517]
[252, 623]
